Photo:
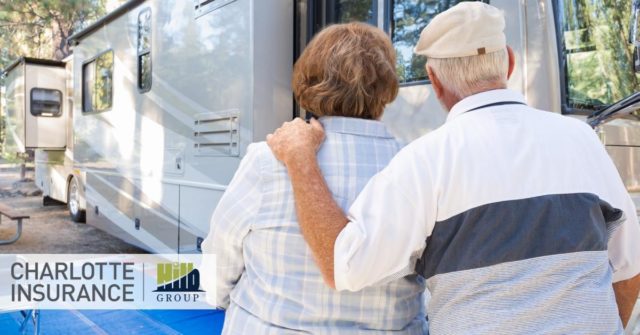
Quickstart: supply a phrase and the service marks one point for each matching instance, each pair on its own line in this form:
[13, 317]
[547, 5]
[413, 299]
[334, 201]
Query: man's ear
[512, 61]
[435, 82]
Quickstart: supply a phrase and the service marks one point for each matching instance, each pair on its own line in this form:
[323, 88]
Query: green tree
[354, 10]
[409, 18]
[41, 28]
[599, 63]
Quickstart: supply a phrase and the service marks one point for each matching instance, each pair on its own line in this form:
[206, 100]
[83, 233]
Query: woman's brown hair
[346, 70]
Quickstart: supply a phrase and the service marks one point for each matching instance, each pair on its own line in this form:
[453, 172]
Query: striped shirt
[516, 217]
[266, 275]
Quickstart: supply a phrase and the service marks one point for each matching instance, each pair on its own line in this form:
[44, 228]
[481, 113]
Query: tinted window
[46, 102]
[88, 80]
[97, 83]
[408, 20]
[144, 50]
[355, 10]
[598, 60]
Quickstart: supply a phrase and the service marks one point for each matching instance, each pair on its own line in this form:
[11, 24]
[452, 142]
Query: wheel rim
[73, 198]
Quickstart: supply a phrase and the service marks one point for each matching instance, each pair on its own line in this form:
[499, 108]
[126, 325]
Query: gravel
[49, 230]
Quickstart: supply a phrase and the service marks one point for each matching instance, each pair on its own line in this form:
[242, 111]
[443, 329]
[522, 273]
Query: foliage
[409, 18]
[354, 10]
[103, 82]
[599, 59]
[2, 131]
[40, 28]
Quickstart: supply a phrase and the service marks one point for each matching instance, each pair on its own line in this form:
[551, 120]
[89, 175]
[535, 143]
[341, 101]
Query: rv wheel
[73, 202]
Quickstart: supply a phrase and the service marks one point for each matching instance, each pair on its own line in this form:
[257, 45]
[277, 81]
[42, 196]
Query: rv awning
[77, 37]
[29, 60]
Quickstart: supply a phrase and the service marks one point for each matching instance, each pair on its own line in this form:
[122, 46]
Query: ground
[49, 230]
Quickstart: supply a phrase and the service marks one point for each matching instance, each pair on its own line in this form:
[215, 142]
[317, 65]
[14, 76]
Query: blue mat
[119, 322]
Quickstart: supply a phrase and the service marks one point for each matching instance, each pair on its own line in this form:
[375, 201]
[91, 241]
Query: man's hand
[296, 140]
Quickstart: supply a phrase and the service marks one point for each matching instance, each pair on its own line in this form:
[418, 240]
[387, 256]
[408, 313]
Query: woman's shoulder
[260, 150]
[262, 156]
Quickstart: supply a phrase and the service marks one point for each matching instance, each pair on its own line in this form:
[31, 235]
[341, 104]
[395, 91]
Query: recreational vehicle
[144, 126]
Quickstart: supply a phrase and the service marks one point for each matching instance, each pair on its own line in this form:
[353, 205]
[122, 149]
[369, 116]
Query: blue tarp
[119, 322]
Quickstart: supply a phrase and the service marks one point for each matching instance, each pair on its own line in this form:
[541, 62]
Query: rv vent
[206, 6]
[216, 134]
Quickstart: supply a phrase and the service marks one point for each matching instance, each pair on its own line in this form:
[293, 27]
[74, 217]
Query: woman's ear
[435, 82]
[512, 61]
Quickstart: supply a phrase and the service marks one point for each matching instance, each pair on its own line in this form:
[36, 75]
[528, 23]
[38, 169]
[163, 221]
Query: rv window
[355, 10]
[97, 84]
[598, 61]
[144, 50]
[88, 70]
[46, 102]
[408, 19]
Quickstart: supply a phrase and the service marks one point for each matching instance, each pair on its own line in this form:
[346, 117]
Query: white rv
[162, 98]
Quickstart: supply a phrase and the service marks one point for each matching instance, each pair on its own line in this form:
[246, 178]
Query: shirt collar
[482, 99]
[355, 126]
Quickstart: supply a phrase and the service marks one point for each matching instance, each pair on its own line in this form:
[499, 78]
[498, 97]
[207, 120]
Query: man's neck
[450, 100]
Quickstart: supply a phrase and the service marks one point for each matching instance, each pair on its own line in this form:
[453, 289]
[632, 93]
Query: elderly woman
[266, 276]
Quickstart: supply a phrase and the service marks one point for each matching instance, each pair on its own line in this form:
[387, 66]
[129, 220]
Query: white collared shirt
[508, 212]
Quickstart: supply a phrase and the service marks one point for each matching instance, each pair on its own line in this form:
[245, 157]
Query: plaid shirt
[266, 276]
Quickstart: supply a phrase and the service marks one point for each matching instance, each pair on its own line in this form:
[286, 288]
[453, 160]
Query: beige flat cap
[466, 29]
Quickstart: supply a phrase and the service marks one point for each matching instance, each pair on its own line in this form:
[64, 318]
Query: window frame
[60, 110]
[565, 108]
[318, 16]
[82, 92]
[563, 69]
[141, 54]
[331, 14]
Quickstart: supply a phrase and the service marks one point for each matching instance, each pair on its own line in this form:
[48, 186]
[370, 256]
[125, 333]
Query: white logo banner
[106, 281]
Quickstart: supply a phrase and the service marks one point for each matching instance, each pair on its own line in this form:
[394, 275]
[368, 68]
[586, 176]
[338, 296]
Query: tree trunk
[23, 171]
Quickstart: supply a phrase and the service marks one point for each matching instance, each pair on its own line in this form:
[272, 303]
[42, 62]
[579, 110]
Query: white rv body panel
[14, 110]
[52, 171]
[157, 162]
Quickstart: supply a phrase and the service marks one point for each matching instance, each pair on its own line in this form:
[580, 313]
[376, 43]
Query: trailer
[162, 98]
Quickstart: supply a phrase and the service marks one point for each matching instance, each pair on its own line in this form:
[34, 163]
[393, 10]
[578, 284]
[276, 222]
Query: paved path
[120, 322]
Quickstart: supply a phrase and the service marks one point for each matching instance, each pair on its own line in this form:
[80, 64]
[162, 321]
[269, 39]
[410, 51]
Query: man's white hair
[465, 76]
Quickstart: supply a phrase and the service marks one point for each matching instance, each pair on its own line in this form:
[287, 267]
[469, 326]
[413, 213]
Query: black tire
[73, 202]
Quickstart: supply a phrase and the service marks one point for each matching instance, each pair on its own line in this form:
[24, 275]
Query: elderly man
[516, 217]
